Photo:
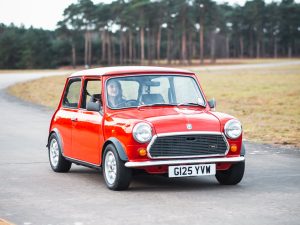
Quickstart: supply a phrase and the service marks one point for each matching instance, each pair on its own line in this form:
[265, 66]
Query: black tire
[122, 174]
[62, 165]
[233, 175]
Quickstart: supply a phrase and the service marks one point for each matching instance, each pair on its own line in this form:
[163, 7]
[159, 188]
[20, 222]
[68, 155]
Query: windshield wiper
[189, 103]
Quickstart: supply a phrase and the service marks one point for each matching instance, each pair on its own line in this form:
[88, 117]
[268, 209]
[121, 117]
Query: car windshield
[151, 90]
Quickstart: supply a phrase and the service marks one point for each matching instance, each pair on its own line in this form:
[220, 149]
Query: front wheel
[116, 175]
[233, 175]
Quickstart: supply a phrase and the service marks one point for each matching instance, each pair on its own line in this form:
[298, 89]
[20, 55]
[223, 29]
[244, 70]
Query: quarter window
[72, 94]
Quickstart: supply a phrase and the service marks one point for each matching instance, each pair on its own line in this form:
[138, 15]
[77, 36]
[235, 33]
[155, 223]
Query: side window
[71, 96]
[92, 92]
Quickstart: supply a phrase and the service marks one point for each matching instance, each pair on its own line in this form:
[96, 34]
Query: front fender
[119, 147]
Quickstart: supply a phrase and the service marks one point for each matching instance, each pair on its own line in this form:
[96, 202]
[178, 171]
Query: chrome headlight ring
[142, 132]
[233, 129]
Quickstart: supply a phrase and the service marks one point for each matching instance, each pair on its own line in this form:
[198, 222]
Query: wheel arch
[119, 147]
[57, 133]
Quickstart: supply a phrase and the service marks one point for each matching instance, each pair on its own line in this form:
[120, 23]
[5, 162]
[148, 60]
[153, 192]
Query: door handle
[74, 119]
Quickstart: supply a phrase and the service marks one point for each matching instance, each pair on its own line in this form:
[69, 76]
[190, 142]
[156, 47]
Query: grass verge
[44, 91]
[266, 100]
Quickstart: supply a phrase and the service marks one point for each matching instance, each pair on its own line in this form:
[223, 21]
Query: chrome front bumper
[184, 161]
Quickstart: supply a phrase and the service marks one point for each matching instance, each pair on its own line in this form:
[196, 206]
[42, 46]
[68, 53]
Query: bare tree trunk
[227, 47]
[183, 43]
[135, 48]
[175, 50]
[257, 49]
[130, 47]
[241, 47]
[275, 50]
[169, 45]
[108, 48]
[113, 55]
[152, 47]
[190, 46]
[263, 47]
[213, 47]
[73, 55]
[86, 49]
[201, 39]
[103, 55]
[125, 49]
[158, 41]
[194, 50]
[290, 50]
[251, 45]
[142, 37]
[148, 41]
[121, 45]
[89, 49]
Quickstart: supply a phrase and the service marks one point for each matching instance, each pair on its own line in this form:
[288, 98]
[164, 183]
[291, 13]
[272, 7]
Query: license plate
[192, 170]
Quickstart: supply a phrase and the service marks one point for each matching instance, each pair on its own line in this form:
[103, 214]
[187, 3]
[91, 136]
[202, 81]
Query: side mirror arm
[212, 104]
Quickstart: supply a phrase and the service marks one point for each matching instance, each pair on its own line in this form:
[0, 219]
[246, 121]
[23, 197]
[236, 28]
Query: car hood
[173, 119]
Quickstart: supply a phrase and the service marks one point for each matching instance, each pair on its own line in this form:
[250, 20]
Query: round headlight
[233, 129]
[142, 132]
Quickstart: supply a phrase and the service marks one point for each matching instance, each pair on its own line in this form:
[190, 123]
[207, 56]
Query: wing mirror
[93, 106]
[212, 104]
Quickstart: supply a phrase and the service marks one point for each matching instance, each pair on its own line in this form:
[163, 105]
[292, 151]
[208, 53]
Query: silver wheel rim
[54, 152]
[110, 167]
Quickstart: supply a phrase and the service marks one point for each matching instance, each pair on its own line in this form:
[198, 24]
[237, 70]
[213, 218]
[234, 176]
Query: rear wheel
[116, 175]
[57, 161]
[231, 176]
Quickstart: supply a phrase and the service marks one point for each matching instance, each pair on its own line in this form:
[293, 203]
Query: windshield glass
[147, 90]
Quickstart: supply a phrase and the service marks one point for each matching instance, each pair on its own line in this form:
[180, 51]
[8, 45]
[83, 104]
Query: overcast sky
[46, 13]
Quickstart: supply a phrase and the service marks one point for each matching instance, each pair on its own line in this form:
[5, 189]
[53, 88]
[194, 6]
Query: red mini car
[125, 119]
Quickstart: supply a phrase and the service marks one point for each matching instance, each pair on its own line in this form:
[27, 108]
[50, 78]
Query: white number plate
[192, 170]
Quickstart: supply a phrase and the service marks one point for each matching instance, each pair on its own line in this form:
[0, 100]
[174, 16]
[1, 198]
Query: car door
[67, 113]
[87, 137]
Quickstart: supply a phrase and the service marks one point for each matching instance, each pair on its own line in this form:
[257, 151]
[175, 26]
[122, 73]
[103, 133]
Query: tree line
[149, 32]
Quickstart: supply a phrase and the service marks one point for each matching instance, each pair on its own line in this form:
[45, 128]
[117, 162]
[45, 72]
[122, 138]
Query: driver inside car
[114, 94]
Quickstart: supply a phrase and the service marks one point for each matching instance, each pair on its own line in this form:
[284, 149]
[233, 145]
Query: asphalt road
[30, 193]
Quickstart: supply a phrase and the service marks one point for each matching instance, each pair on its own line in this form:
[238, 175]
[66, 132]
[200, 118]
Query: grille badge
[189, 126]
[213, 146]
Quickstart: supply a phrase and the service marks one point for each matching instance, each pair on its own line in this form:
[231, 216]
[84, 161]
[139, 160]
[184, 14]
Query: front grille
[188, 145]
